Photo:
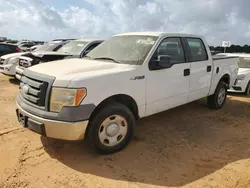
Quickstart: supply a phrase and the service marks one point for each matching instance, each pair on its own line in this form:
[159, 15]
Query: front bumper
[52, 128]
[19, 72]
[8, 69]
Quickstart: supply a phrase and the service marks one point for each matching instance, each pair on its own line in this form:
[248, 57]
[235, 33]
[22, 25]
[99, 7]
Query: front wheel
[111, 129]
[218, 99]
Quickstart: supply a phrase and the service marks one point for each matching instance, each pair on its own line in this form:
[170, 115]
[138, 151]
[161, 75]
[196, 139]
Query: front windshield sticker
[148, 41]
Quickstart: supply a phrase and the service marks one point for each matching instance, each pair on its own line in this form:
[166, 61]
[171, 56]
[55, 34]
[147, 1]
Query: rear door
[201, 68]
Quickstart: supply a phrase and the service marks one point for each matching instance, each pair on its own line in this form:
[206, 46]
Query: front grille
[2, 61]
[33, 90]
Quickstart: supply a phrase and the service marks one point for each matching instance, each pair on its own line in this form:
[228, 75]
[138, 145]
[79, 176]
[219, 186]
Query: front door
[168, 87]
[201, 69]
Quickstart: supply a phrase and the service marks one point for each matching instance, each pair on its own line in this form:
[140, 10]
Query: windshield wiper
[106, 58]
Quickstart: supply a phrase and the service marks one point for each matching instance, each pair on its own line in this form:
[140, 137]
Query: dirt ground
[190, 146]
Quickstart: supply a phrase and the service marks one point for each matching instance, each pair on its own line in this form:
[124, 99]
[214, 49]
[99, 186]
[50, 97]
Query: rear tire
[247, 91]
[111, 129]
[218, 99]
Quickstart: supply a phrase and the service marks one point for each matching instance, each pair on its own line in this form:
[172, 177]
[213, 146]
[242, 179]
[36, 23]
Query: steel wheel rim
[221, 96]
[113, 130]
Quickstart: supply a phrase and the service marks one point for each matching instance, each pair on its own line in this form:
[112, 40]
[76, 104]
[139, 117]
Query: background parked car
[54, 45]
[8, 48]
[11, 42]
[9, 62]
[242, 83]
[39, 43]
[26, 46]
[35, 47]
[74, 49]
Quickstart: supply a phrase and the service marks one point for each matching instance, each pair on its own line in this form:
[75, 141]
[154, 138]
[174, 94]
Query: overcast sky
[216, 20]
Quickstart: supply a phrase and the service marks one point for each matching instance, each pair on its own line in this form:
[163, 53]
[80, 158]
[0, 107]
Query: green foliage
[232, 49]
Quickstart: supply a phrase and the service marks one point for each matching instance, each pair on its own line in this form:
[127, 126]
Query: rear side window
[4, 48]
[13, 48]
[29, 45]
[91, 47]
[57, 48]
[197, 49]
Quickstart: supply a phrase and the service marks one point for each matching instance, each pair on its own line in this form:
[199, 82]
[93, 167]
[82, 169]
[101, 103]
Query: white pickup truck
[127, 77]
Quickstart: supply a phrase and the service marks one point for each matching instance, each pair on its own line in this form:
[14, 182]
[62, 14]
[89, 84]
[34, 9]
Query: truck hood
[47, 53]
[44, 56]
[69, 68]
[13, 55]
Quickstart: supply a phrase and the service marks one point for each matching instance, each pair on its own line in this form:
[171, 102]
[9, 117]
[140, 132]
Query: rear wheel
[111, 129]
[218, 99]
[247, 91]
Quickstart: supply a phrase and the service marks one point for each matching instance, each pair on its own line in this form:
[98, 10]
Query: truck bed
[224, 64]
[219, 57]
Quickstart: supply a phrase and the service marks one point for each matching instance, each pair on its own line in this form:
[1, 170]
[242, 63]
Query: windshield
[73, 47]
[244, 63]
[130, 49]
[19, 43]
[46, 46]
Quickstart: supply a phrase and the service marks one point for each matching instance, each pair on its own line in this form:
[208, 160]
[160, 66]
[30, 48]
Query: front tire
[111, 129]
[218, 99]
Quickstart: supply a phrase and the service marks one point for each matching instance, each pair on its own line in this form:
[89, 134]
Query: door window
[171, 47]
[57, 48]
[4, 48]
[91, 47]
[197, 49]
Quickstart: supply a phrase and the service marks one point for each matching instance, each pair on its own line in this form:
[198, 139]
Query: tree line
[232, 49]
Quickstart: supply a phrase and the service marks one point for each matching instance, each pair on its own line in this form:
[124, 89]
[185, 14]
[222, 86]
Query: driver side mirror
[162, 62]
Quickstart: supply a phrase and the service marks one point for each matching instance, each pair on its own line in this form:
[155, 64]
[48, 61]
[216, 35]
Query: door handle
[209, 68]
[217, 70]
[186, 72]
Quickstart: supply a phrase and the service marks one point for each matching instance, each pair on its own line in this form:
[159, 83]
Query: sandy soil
[190, 146]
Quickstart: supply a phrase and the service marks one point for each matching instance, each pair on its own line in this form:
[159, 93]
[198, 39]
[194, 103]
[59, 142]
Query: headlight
[12, 60]
[241, 77]
[61, 97]
[6, 61]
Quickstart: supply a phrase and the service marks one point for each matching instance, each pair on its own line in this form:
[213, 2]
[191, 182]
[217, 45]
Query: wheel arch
[121, 98]
[225, 78]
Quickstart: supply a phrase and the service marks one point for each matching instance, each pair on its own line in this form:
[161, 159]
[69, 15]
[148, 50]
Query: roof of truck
[90, 39]
[157, 34]
[234, 55]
